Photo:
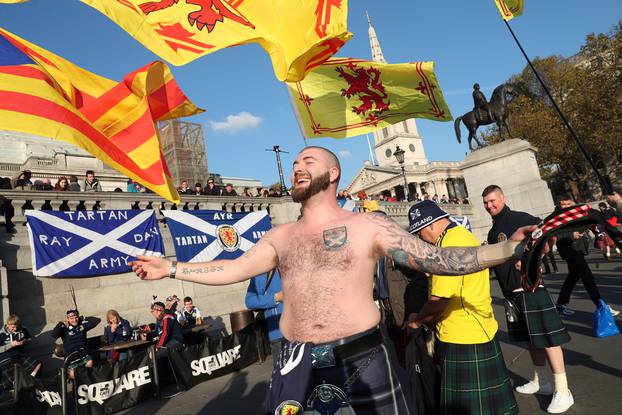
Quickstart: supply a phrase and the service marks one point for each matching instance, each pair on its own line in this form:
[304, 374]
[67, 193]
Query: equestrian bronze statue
[485, 113]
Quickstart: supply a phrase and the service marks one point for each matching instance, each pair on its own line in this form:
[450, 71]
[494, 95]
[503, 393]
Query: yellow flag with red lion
[297, 34]
[347, 97]
[510, 9]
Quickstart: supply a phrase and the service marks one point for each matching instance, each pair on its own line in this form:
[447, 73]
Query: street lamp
[399, 155]
[277, 150]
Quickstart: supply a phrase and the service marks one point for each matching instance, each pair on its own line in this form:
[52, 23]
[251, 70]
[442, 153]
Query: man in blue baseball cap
[472, 365]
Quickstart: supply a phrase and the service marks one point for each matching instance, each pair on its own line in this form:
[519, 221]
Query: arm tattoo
[335, 238]
[414, 253]
[204, 270]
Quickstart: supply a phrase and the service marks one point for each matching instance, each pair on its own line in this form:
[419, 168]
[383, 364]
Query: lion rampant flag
[510, 9]
[348, 97]
[297, 34]
[43, 94]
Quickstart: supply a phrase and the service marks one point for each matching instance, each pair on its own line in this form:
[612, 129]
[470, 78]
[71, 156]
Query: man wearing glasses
[211, 189]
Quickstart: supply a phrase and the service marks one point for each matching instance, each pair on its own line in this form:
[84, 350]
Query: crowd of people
[330, 328]
[343, 195]
[165, 331]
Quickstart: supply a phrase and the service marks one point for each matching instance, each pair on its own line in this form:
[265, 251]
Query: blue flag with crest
[88, 243]
[205, 235]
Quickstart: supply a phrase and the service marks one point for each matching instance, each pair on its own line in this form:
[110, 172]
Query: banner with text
[214, 357]
[205, 235]
[111, 388]
[86, 243]
[37, 396]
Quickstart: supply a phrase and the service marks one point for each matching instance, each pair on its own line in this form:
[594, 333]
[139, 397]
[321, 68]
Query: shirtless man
[327, 260]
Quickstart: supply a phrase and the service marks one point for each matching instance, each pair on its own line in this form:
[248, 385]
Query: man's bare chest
[332, 249]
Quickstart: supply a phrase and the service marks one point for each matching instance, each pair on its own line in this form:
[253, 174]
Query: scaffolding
[183, 145]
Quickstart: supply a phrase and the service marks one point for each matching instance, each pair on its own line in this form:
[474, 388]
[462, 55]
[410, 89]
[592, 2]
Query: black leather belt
[327, 354]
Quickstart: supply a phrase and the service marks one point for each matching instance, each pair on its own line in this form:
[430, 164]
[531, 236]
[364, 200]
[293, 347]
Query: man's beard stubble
[316, 185]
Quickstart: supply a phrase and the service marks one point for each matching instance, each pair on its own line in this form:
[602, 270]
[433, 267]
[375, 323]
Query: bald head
[330, 157]
[316, 170]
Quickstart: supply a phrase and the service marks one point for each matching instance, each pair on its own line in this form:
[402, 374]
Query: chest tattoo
[335, 238]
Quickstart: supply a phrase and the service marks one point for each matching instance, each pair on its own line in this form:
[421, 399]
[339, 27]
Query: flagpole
[605, 186]
[298, 120]
[371, 154]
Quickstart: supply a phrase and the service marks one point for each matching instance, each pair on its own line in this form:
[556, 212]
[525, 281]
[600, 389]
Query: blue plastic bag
[603, 324]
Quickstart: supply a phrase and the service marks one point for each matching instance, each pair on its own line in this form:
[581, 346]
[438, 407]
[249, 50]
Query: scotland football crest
[228, 238]
[205, 235]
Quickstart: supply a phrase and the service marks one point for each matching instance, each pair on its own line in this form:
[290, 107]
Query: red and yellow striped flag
[510, 9]
[44, 94]
[297, 34]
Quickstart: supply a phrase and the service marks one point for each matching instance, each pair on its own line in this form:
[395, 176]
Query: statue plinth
[512, 166]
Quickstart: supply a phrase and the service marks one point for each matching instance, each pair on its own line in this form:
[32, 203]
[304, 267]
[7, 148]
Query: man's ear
[334, 174]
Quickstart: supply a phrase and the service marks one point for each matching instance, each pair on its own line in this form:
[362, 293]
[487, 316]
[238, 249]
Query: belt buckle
[322, 356]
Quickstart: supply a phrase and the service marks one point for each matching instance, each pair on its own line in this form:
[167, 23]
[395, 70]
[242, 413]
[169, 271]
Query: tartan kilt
[474, 379]
[539, 322]
[6, 371]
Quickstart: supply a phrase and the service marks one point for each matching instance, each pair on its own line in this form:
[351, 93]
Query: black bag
[422, 373]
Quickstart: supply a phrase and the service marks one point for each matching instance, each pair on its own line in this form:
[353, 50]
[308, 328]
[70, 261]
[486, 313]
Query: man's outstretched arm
[410, 251]
[259, 259]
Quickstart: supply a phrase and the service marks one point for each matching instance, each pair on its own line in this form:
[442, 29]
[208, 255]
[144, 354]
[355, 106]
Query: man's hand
[151, 268]
[522, 233]
[615, 200]
[278, 297]
[412, 321]
[576, 235]
[16, 343]
[113, 327]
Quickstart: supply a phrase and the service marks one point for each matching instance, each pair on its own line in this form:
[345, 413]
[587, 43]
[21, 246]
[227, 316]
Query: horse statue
[498, 109]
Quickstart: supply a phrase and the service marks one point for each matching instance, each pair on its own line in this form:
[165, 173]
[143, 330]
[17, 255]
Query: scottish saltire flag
[205, 235]
[86, 243]
[461, 221]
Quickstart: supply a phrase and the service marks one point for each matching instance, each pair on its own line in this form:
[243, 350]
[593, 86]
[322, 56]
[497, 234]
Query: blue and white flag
[87, 243]
[205, 235]
[461, 221]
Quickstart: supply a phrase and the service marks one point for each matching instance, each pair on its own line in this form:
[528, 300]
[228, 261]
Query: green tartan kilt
[474, 379]
[7, 372]
[539, 322]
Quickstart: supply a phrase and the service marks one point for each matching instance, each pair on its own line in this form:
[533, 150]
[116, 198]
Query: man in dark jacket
[538, 321]
[13, 338]
[229, 190]
[211, 189]
[167, 328]
[572, 247]
[73, 333]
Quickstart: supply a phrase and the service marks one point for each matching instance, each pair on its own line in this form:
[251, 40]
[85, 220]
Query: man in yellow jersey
[474, 379]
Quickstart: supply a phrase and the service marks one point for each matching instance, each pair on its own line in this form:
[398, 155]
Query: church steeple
[403, 133]
[376, 52]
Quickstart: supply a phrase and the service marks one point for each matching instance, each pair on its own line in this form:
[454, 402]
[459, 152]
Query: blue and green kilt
[539, 322]
[474, 379]
[7, 373]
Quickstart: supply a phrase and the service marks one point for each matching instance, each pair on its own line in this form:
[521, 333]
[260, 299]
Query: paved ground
[593, 365]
